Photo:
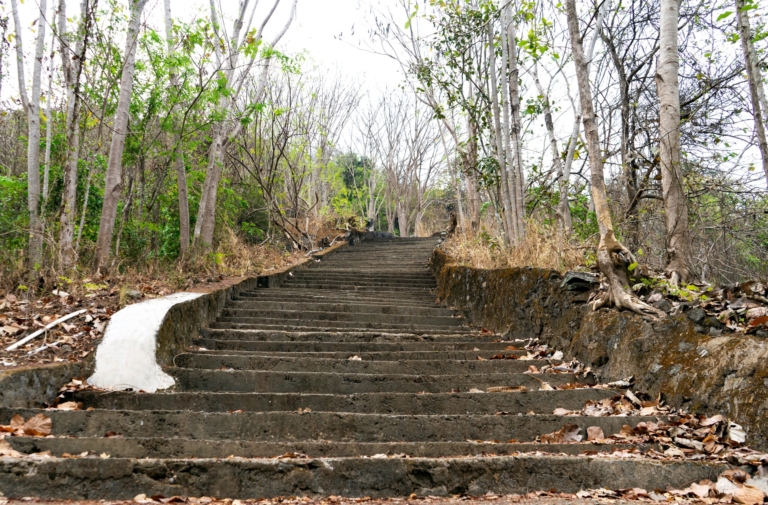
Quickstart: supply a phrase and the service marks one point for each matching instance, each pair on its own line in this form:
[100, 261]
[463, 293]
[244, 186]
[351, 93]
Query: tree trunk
[31, 106]
[181, 172]
[499, 134]
[72, 64]
[506, 107]
[514, 104]
[678, 235]
[612, 257]
[114, 174]
[563, 210]
[470, 168]
[755, 79]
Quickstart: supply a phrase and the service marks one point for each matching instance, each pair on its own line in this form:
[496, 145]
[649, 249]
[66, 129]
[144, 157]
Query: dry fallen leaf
[595, 433]
[6, 451]
[507, 389]
[561, 412]
[568, 433]
[39, 425]
[69, 406]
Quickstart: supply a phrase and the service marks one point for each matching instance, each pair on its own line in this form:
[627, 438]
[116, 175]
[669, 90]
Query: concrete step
[360, 286]
[258, 315]
[325, 296]
[362, 307]
[346, 336]
[317, 426]
[122, 478]
[171, 448]
[352, 347]
[257, 381]
[364, 356]
[540, 402]
[331, 326]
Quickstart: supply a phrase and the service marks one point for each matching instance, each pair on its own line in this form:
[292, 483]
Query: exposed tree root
[613, 260]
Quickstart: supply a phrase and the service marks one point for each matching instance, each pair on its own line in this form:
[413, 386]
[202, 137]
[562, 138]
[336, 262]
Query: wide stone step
[192, 379]
[361, 307]
[346, 336]
[121, 478]
[540, 402]
[352, 347]
[364, 356]
[326, 296]
[317, 426]
[257, 316]
[166, 448]
[345, 269]
[331, 326]
[360, 286]
[416, 367]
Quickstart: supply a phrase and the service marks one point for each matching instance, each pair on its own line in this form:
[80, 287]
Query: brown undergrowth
[542, 247]
[26, 308]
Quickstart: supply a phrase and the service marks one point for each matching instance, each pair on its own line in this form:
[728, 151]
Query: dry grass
[543, 247]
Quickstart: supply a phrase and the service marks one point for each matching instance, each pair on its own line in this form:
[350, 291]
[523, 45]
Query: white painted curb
[126, 357]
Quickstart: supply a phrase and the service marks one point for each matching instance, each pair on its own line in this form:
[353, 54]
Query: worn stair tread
[363, 355]
[307, 364]
[190, 448]
[542, 402]
[193, 379]
[355, 347]
[332, 426]
[340, 337]
[123, 478]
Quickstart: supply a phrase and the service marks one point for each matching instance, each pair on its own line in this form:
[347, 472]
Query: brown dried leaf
[507, 389]
[17, 422]
[566, 434]
[6, 451]
[748, 496]
[595, 433]
[39, 425]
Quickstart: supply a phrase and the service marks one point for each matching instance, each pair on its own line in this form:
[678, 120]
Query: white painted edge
[127, 356]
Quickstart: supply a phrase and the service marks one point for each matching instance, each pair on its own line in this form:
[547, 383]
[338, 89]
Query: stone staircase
[348, 380]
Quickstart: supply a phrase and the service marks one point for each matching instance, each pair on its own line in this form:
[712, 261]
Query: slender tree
[73, 52]
[613, 258]
[678, 237]
[31, 104]
[114, 177]
[754, 78]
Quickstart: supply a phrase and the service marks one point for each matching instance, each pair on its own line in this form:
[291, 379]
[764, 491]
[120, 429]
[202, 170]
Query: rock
[663, 305]
[697, 315]
[712, 322]
[714, 332]
[133, 294]
[761, 333]
[579, 281]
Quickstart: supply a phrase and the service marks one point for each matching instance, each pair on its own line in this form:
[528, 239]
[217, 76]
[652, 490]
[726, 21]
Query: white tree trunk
[31, 106]
[499, 134]
[114, 176]
[181, 172]
[516, 127]
[755, 79]
[72, 65]
[675, 203]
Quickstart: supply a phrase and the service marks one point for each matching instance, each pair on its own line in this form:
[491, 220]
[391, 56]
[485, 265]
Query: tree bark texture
[509, 29]
[114, 176]
[612, 257]
[31, 106]
[755, 79]
[678, 237]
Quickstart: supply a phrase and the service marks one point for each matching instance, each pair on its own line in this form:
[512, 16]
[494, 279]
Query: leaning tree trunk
[755, 79]
[612, 257]
[31, 106]
[678, 237]
[114, 178]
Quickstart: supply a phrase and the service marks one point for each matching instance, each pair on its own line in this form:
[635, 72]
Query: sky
[332, 33]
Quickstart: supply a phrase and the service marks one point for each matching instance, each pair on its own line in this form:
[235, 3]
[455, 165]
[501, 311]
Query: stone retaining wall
[725, 374]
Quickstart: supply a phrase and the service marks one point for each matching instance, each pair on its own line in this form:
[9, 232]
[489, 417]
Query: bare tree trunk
[114, 176]
[563, 210]
[514, 104]
[48, 121]
[31, 106]
[506, 106]
[675, 203]
[72, 64]
[612, 257]
[755, 79]
[206, 215]
[181, 172]
[506, 206]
